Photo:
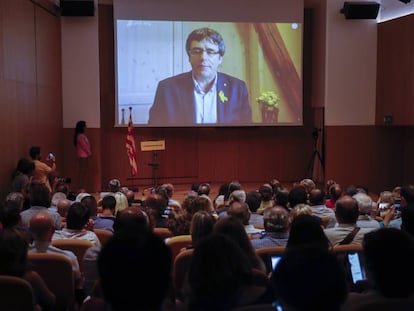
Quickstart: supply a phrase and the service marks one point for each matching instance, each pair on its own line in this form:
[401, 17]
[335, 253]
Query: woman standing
[83, 150]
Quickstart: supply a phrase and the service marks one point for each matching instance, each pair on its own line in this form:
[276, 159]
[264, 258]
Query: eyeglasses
[199, 51]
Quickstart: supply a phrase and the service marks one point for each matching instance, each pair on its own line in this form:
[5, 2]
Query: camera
[50, 156]
[64, 180]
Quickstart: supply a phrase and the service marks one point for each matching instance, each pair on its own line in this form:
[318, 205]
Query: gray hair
[364, 203]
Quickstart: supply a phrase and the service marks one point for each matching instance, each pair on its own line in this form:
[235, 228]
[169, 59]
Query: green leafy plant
[269, 100]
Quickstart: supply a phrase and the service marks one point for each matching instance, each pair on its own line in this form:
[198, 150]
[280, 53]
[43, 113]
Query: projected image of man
[203, 95]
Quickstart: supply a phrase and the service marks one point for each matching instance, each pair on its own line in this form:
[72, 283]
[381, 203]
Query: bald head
[63, 207]
[131, 219]
[346, 210]
[42, 226]
[240, 211]
[276, 219]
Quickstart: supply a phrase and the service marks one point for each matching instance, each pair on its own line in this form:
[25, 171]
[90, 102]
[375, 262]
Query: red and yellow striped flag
[130, 145]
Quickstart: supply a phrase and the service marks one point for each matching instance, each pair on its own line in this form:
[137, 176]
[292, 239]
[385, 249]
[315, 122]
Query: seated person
[346, 212]
[309, 277]
[276, 224]
[389, 257]
[13, 262]
[141, 258]
[77, 219]
[42, 229]
[106, 219]
[221, 277]
[240, 211]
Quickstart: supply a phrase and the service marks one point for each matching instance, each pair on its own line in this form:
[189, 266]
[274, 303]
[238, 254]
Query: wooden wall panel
[366, 156]
[31, 111]
[48, 56]
[395, 77]
[19, 40]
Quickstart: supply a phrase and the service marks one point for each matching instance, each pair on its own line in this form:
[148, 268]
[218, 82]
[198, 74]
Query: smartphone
[275, 260]
[397, 206]
[357, 269]
[383, 206]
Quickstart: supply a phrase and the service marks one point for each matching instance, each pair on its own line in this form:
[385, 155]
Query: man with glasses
[202, 96]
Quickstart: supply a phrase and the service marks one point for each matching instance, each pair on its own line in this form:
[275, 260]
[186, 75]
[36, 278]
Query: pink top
[83, 148]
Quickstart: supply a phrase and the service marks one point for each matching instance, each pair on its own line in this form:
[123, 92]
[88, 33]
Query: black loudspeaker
[360, 10]
[77, 8]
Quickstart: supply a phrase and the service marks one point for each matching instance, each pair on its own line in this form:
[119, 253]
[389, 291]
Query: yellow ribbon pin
[223, 97]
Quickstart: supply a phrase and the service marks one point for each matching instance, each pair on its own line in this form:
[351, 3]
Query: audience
[282, 198]
[236, 195]
[77, 219]
[346, 212]
[309, 277]
[42, 171]
[121, 199]
[307, 229]
[225, 271]
[407, 197]
[266, 192]
[233, 186]
[299, 209]
[317, 203]
[204, 189]
[42, 229]
[219, 199]
[39, 200]
[10, 214]
[22, 178]
[241, 211]
[221, 277]
[169, 188]
[13, 262]
[179, 221]
[131, 219]
[365, 204]
[389, 257]
[233, 228]
[308, 184]
[106, 219]
[335, 192]
[276, 224]
[253, 199]
[135, 271]
[62, 209]
[297, 195]
[201, 226]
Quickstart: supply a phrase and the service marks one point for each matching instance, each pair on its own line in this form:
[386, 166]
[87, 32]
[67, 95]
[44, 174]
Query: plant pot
[269, 114]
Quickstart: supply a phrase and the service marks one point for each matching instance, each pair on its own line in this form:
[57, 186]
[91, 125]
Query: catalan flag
[130, 146]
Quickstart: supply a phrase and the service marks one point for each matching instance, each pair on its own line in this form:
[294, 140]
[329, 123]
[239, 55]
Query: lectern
[154, 146]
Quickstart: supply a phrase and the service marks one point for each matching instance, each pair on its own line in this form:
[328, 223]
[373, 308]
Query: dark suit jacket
[174, 101]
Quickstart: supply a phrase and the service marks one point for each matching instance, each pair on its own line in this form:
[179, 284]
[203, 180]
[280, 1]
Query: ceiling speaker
[77, 8]
[360, 10]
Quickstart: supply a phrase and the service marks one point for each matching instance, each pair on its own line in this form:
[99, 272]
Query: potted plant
[269, 106]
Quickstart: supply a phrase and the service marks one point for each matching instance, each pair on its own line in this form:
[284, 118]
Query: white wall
[351, 62]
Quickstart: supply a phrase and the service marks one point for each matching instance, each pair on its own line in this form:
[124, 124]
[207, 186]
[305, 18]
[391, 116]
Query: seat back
[181, 266]
[103, 235]
[16, 294]
[266, 253]
[56, 271]
[257, 307]
[176, 243]
[386, 304]
[163, 232]
[325, 221]
[77, 246]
